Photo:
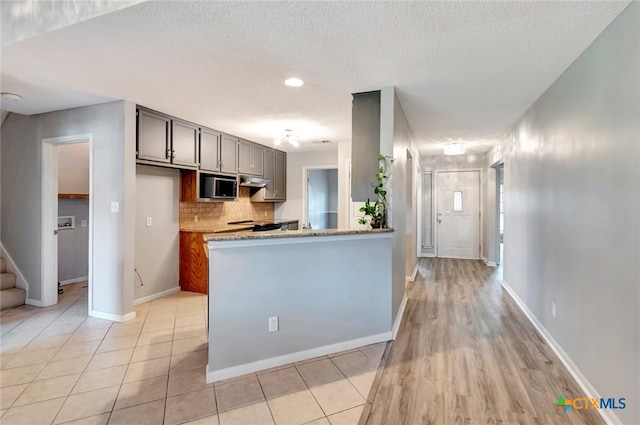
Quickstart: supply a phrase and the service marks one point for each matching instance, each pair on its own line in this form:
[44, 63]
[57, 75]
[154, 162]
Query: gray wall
[323, 198]
[21, 206]
[572, 225]
[328, 292]
[395, 139]
[113, 128]
[73, 244]
[157, 246]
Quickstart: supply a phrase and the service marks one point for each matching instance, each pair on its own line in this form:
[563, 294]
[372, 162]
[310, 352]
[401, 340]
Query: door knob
[439, 221]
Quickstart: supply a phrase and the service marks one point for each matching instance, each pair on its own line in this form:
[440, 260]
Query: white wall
[572, 214]
[114, 137]
[292, 208]
[73, 168]
[344, 185]
[469, 161]
[157, 246]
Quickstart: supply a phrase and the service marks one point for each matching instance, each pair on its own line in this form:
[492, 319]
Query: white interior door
[458, 214]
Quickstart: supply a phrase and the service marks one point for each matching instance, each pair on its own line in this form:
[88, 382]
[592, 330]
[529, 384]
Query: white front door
[458, 214]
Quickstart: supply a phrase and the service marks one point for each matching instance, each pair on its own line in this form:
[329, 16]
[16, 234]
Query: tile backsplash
[216, 215]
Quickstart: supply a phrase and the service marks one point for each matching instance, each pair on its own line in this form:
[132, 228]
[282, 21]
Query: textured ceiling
[463, 70]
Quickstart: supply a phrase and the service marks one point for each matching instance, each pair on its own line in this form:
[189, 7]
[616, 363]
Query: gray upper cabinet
[184, 143]
[154, 136]
[257, 159]
[229, 154]
[250, 158]
[270, 173]
[244, 157]
[365, 144]
[280, 176]
[275, 169]
[210, 150]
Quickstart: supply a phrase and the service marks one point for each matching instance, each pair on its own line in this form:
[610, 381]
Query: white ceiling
[463, 70]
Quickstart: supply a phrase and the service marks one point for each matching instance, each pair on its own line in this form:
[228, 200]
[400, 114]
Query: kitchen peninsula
[281, 297]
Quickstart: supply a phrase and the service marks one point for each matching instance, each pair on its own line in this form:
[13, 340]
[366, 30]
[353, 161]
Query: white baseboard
[21, 282]
[489, 263]
[232, 372]
[35, 303]
[399, 315]
[413, 274]
[75, 280]
[113, 317]
[609, 417]
[156, 296]
[425, 255]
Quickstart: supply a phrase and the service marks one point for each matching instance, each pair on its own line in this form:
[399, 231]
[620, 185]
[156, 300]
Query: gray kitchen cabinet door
[257, 159]
[210, 150]
[229, 154]
[269, 173]
[281, 175]
[154, 134]
[184, 143]
[244, 157]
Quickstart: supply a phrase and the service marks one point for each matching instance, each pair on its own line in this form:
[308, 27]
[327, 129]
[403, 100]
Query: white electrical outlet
[83, 223]
[115, 207]
[149, 221]
[195, 218]
[553, 309]
[273, 324]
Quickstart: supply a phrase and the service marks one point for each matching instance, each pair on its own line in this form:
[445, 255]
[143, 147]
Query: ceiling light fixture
[11, 96]
[454, 149]
[287, 137]
[294, 82]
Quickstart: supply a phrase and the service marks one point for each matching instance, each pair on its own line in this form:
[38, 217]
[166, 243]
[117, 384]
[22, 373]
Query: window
[457, 201]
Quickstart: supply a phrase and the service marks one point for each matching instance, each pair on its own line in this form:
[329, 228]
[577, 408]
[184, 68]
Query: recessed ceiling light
[11, 96]
[293, 82]
[454, 149]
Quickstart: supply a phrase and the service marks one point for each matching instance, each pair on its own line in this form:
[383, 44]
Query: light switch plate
[149, 221]
[115, 206]
[83, 223]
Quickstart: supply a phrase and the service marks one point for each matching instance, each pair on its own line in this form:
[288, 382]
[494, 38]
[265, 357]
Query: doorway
[52, 222]
[458, 214]
[321, 198]
[499, 213]
[73, 213]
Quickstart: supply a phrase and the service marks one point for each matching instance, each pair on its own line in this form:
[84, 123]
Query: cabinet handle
[168, 153]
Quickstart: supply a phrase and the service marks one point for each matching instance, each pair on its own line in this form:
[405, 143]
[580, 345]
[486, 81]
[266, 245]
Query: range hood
[252, 181]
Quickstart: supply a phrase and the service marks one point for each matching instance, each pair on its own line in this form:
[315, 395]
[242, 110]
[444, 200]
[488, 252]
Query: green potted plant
[375, 214]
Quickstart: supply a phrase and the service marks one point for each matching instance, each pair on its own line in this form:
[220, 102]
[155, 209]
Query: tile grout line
[45, 364]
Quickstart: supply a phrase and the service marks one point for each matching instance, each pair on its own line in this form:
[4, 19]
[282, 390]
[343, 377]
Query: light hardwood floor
[466, 354]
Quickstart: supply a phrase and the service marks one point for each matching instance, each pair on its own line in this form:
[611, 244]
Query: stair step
[7, 280]
[3, 265]
[12, 297]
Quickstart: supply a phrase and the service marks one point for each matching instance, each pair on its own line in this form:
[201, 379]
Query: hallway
[466, 354]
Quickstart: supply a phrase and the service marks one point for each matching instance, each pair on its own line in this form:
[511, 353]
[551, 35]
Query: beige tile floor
[60, 366]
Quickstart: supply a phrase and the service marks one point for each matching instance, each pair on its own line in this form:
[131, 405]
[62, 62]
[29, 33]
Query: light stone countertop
[235, 227]
[238, 236]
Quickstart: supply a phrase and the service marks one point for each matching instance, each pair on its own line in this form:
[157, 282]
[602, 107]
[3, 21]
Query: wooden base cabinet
[194, 264]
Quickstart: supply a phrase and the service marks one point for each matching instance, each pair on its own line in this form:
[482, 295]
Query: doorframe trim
[49, 293]
[481, 205]
[305, 172]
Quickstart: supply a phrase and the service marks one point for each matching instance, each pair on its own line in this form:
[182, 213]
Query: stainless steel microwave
[214, 187]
